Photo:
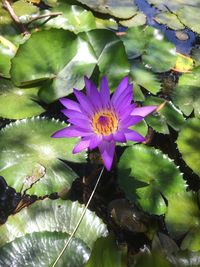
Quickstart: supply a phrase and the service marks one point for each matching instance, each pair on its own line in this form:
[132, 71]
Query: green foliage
[31, 160]
[106, 253]
[43, 229]
[20, 103]
[189, 144]
[148, 185]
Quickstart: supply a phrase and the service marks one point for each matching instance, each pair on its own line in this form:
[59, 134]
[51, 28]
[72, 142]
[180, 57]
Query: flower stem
[79, 222]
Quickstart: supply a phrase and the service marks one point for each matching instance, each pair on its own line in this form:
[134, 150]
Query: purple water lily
[102, 121]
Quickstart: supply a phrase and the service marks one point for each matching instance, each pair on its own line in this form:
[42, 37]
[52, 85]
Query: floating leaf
[189, 144]
[188, 15]
[183, 63]
[24, 8]
[192, 240]
[136, 39]
[166, 115]
[159, 55]
[72, 17]
[148, 185]
[146, 79]
[61, 59]
[187, 92]
[119, 9]
[170, 20]
[182, 213]
[138, 19]
[41, 230]
[42, 249]
[53, 216]
[27, 144]
[7, 51]
[107, 253]
[17, 103]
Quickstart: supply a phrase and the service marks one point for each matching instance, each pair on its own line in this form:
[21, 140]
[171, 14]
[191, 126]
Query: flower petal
[80, 123]
[92, 93]
[143, 111]
[125, 111]
[121, 87]
[129, 121]
[81, 145]
[133, 136]
[74, 114]
[107, 150]
[104, 91]
[95, 140]
[85, 103]
[70, 104]
[119, 136]
[123, 101]
[71, 131]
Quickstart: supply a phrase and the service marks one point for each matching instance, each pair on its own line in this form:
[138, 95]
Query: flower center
[104, 122]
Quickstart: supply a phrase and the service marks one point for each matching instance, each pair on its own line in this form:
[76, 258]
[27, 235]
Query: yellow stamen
[104, 122]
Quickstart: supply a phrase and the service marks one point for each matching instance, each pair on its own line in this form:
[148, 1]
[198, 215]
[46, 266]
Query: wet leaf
[119, 9]
[189, 144]
[187, 93]
[17, 103]
[166, 115]
[182, 213]
[42, 229]
[27, 143]
[148, 185]
[106, 253]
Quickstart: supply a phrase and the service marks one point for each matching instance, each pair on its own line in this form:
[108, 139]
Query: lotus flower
[100, 120]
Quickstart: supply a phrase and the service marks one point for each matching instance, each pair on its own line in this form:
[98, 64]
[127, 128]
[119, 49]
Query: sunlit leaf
[17, 103]
[189, 144]
[41, 231]
[183, 63]
[187, 92]
[26, 146]
[120, 9]
[182, 213]
[167, 114]
[61, 60]
[169, 19]
[106, 253]
[73, 18]
[148, 185]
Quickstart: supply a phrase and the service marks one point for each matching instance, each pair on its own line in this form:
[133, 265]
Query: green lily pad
[187, 92]
[160, 55]
[166, 115]
[7, 51]
[53, 216]
[188, 15]
[136, 39]
[148, 185]
[107, 253]
[169, 19]
[117, 8]
[42, 249]
[42, 229]
[23, 8]
[138, 19]
[189, 144]
[30, 158]
[192, 240]
[182, 213]
[61, 60]
[17, 103]
[73, 18]
[145, 78]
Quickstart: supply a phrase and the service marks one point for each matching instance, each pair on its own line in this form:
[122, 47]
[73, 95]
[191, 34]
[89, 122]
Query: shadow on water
[183, 47]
